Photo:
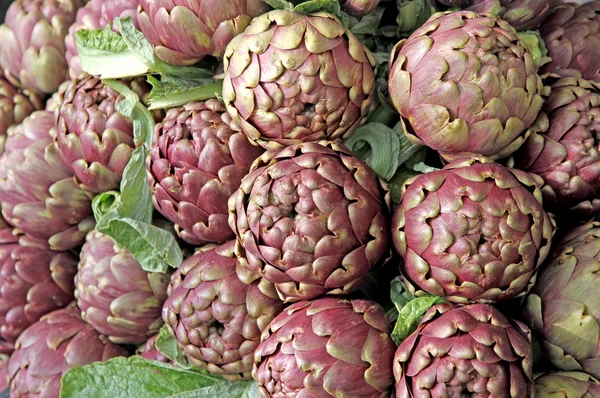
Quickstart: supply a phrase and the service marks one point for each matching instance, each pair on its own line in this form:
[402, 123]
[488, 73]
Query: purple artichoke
[567, 385]
[465, 85]
[33, 43]
[60, 341]
[473, 231]
[33, 282]
[185, 31]
[196, 162]
[38, 194]
[97, 14]
[329, 347]
[472, 351]
[567, 153]
[115, 295]
[311, 219]
[563, 308]
[359, 8]
[216, 310]
[572, 35]
[292, 78]
[94, 140]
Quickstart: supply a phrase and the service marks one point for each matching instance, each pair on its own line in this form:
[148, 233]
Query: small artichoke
[61, 340]
[465, 85]
[33, 43]
[567, 152]
[216, 310]
[572, 35]
[562, 309]
[38, 194]
[185, 31]
[33, 282]
[473, 231]
[15, 105]
[292, 78]
[115, 295]
[311, 219]
[472, 351]
[196, 162]
[329, 347]
[566, 385]
[94, 140]
[96, 14]
[359, 8]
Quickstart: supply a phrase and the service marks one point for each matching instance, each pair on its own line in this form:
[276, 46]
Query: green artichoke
[185, 31]
[93, 139]
[33, 43]
[465, 85]
[38, 194]
[291, 78]
[471, 351]
[311, 219]
[329, 347]
[217, 310]
[60, 341]
[473, 231]
[196, 163]
[566, 385]
[567, 152]
[571, 33]
[562, 309]
[115, 295]
[359, 8]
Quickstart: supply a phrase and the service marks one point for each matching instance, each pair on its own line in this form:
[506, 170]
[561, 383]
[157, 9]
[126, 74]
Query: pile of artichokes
[325, 198]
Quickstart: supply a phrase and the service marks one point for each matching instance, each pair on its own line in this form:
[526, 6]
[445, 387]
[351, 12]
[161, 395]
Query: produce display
[300, 198]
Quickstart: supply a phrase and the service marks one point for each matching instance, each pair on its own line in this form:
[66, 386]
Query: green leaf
[384, 148]
[238, 389]
[167, 345]
[396, 183]
[316, 6]
[280, 4]
[132, 377]
[172, 91]
[369, 23]
[412, 14]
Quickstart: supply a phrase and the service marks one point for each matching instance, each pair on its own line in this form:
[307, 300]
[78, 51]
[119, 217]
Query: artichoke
[473, 231]
[196, 162]
[563, 307]
[185, 31]
[115, 295]
[329, 347]
[33, 43]
[33, 282]
[38, 194]
[572, 36]
[94, 140]
[566, 385]
[60, 341]
[465, 84]
[567, 153]
[97, 14]
[359, 8]
[149, 351]
[15, 105]
[292, 78]
[470, 351]
[217, 311]
[311, 219]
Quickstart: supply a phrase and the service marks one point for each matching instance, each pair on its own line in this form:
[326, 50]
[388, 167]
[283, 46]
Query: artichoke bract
[216, 310]
[359, 8]
[33, 282]
[196, 163]
[465, 85]
[15, 105]
[61, 340]
[185, 31]
[311, 219]
[33, 43]
[566, 153]
[329, 347]
[571, 33]
[96, 14]
[473, 231]
[465, 351]
[94, 140]
[116, 296]
[562, 308]
[566, 385]
[38, 194]
[292, 78]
